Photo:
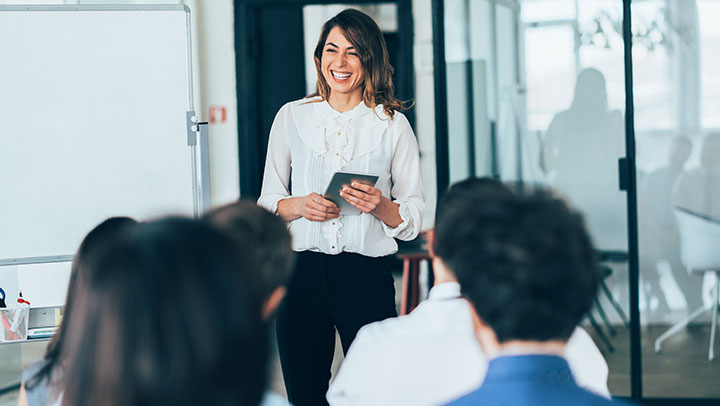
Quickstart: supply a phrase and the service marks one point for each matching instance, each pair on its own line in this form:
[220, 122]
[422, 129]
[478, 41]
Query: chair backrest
[699, 240]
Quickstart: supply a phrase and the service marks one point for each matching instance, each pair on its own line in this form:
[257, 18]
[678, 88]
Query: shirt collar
[330, 113]
[529, 366]
[445, 290]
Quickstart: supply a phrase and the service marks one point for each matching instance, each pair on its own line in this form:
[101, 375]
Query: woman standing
[351, 123]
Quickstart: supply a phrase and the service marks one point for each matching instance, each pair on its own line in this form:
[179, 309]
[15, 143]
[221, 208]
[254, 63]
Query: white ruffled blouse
[309, 141]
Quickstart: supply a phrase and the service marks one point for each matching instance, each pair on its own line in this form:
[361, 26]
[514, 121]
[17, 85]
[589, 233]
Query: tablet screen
[340, 179]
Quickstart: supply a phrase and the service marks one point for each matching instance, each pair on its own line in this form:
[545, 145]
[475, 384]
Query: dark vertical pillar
[405, 64]
[270, 72]
[631, 182]
[280, 62]
[245, 71]
[441, 118]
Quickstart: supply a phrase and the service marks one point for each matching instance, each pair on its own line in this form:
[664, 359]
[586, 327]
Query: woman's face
[340, 64]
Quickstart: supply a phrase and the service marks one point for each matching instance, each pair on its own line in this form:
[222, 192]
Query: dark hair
[168, 320]
[473, 189]
[365, 35]
[103, 233]
[263, 237]
[524, 261]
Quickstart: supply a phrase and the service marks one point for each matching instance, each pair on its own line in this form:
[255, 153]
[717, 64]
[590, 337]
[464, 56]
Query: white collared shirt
[310, 141]
[431, 357]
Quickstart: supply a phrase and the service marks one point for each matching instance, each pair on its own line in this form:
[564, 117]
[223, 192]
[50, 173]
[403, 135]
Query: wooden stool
[411, 279]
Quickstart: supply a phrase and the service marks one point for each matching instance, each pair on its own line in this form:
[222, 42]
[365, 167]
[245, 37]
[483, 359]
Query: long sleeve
[276, 177]
[407, 189]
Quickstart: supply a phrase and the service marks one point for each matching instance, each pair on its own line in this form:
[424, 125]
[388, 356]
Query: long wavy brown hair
[365, 35]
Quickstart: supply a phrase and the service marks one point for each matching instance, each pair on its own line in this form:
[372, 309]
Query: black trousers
[327, 292]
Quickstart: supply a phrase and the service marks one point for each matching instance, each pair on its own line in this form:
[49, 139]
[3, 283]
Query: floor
[680, 370]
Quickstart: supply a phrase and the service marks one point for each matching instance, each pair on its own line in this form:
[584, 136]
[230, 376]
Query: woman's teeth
[341, 76]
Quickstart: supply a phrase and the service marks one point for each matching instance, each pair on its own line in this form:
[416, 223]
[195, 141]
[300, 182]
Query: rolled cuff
[271, 201]
[411, 220]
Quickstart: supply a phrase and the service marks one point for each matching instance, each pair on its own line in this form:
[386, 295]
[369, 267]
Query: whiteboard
[93, 103]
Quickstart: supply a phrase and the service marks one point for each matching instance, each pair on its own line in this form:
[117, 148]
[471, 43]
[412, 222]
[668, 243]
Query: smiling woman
[354, 123]
[349, 47]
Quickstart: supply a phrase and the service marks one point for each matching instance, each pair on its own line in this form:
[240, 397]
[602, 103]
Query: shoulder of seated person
[423, 319]
[33, 370]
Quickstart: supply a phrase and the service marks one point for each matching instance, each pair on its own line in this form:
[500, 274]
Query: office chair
[700, 252]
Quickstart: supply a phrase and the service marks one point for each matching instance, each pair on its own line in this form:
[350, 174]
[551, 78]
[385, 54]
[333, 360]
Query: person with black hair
[527, 266]
[40, 380]
[431, 356]
[168, 320]
[264, 237]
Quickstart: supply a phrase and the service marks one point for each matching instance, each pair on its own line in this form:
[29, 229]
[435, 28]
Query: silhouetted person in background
[659, 239]
[581, 150]
[698, 191]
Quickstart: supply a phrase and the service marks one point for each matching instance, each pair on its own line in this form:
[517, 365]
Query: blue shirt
[531, 380]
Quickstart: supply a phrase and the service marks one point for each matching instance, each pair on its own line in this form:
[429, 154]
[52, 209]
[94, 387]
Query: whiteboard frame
[197, 149]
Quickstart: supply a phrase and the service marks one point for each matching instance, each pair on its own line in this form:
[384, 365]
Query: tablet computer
[341, 179]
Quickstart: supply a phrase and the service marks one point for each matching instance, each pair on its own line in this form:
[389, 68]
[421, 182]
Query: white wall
[425, 103]
[215, 56]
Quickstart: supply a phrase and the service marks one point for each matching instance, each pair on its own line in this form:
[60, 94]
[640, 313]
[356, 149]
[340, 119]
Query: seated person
[527, 266]
[264, 236]
[39, 378]
[167, 320]
[431, 356]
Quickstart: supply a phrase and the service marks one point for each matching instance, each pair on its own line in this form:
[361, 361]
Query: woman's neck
[343, 102]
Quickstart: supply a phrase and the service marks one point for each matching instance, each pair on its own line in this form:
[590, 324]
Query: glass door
[535, 94]
[677, 100]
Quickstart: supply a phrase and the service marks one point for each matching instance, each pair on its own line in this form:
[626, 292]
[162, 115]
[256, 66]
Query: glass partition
[677, 100]
[535, 94]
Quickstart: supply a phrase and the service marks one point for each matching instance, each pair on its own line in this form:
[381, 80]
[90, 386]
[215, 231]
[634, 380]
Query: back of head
[524, 261]
[103, 234]
[167, 320]
[475, 190]
[262, 239]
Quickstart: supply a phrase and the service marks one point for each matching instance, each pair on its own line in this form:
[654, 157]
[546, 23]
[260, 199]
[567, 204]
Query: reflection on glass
[708, 13]
[559, 120]
[678, 191]
[582, 146]
[695, 205]
[548, 89]
[661, 250]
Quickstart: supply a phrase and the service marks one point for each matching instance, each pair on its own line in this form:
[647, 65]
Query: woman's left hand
[370, 199]
[365, 197]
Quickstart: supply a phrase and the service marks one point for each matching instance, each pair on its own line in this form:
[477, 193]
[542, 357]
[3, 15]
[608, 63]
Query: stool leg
[431, 275]
[614, 304]
[405, 287]
[415, 283]
[600, 333]
[711, 351]
[601, 311]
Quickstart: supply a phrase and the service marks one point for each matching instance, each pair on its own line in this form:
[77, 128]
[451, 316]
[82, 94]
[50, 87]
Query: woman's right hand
[313, 207]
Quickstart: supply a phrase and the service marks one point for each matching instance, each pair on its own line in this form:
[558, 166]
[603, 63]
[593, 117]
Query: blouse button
[338, 133]
[337, 154]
